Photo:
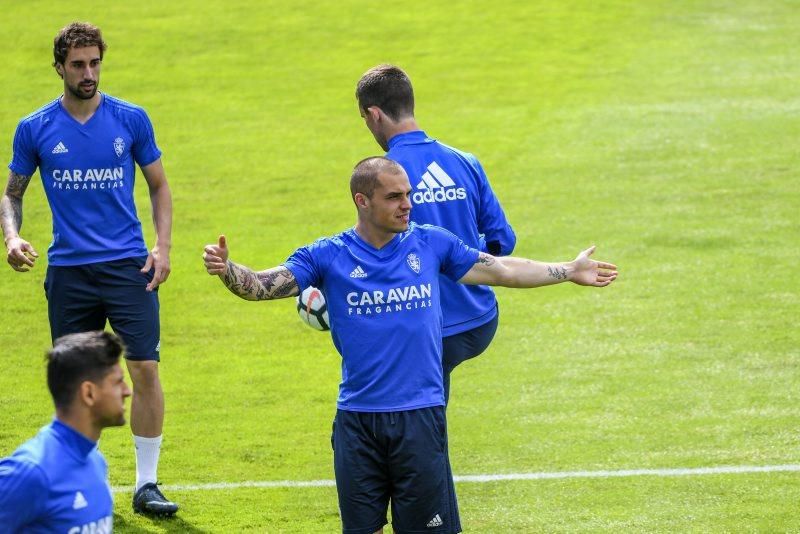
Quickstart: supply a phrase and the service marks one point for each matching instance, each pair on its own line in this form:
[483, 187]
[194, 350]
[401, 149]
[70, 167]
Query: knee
[144, 374]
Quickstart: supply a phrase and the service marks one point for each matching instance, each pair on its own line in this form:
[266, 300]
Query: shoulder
[462, 154]
[430, 234]
[23, 470]
[123, 109]
[336, 241]
[43, 114]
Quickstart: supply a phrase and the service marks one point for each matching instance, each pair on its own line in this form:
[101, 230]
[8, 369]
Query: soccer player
[451, 190]
[58, 481]
[86, 145]
[382, 285]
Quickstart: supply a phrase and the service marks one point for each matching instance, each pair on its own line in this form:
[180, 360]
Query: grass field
[664, 132]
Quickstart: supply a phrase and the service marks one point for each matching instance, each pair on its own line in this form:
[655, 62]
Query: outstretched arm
[275, 283]
[510, 271]
[20, 254]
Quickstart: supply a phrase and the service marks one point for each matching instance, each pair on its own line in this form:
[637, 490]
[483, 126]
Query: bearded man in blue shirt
[58, 481]
[381, 281]
[451, 190]
[86, 145]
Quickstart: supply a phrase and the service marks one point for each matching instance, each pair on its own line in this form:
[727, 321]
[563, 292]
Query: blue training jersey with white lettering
[385, 312]
[88, 175]
[56, 482]
[451, 190]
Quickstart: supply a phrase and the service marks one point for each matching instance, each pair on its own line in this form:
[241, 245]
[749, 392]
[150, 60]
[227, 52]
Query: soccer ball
[312, 308]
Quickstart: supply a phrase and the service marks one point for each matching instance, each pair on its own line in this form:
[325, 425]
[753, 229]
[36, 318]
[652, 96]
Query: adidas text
[435, 522]
[439, 195]
[358, 272]
[60, 149]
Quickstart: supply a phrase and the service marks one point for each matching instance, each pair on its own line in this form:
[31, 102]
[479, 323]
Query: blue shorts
[461, 347]
[81, 298]
[397, 457]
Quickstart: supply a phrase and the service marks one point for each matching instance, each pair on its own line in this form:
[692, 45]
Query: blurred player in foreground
[451, 190]
[86, 145]
[381, 281]
[58, 481]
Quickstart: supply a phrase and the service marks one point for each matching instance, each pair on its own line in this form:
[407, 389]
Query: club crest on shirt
[119, 146]
[413, 262]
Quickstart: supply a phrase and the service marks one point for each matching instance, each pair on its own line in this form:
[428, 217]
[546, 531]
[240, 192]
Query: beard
[78, 92]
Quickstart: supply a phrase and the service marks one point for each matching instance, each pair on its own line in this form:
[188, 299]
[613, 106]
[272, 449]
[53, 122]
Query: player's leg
[423, 496]
[359, 462]
[73, 301]
[461, 347]
[134, 316]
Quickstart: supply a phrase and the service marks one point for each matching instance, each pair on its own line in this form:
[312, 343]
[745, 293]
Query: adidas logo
[435, 522]
[358, 272]
[437, 186]
[60, 148]
[80, 501]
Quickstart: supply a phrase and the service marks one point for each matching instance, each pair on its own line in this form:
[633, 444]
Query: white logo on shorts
[435, 522]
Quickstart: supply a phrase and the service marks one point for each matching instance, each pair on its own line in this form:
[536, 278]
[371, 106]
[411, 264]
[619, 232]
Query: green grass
[665, 132]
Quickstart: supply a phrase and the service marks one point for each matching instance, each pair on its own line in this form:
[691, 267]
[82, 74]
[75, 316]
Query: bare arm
[275, 283]
[161, 201]
[20, 254]
[520, 272]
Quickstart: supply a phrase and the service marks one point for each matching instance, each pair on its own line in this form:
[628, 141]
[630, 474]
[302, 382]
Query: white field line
[694, 471]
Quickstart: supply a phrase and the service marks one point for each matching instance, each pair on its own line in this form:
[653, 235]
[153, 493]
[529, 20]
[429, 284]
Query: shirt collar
[74, 440]
[410, 138]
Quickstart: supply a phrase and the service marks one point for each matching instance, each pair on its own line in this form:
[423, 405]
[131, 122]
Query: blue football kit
[385, 312]
[56, 482]
[88, 172]
[451, 190]
[390, 433]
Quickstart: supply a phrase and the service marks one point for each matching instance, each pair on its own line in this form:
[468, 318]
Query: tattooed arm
[510, 271]
[275, 283]
[20, 253]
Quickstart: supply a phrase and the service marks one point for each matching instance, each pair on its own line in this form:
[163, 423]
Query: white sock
[147, 451]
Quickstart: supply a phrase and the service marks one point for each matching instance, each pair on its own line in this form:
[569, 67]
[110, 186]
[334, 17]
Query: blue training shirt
[451, 190]
[56, 482]
[88, 173]
[385, 312]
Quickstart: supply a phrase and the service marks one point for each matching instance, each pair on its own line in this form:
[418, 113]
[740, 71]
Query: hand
[21, 254]
[216, 257]
[588, 272]
[158, 259]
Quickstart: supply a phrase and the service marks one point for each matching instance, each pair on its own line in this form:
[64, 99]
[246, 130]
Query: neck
[81, 110]
[374, 236]
[400, 127]
[79, 423]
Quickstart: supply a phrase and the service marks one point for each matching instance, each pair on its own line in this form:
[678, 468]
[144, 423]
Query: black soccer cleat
[149, 500]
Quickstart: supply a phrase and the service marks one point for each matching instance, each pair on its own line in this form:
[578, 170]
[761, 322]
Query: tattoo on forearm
[11, 204]
[265, 285]
[559, 273]
[486, 259]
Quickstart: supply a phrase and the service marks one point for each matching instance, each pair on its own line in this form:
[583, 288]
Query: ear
[87, 393]
[361, 200]
[60, 70]
[375, 113]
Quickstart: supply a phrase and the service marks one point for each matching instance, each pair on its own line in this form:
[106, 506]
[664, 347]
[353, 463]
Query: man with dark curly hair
[86, 145]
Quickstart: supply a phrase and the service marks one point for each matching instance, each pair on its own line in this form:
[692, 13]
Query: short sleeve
[310, 263]
[23, 487]
[25, 159]
[145, 151]
[456, 257]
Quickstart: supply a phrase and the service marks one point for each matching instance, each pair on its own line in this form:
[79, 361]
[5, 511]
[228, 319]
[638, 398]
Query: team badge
[413, 262]
[119, 146]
